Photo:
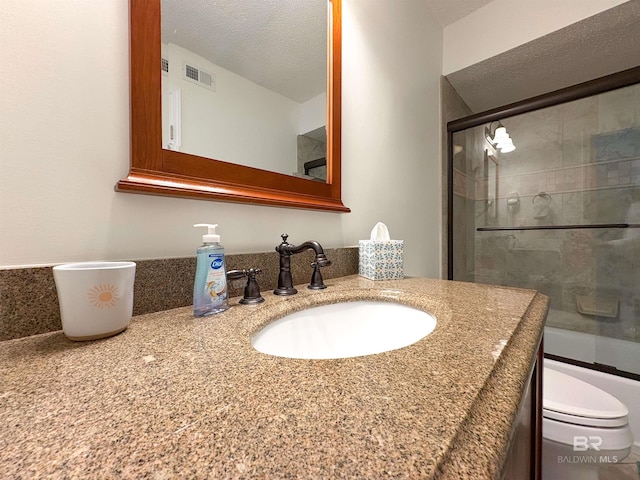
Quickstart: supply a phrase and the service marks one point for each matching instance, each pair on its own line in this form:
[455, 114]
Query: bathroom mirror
[251, 86]
[158, 171]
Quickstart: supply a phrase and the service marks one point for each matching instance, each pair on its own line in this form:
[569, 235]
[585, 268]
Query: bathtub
[621, 354]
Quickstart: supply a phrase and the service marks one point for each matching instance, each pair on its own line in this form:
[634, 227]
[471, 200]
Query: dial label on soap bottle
[216, 285]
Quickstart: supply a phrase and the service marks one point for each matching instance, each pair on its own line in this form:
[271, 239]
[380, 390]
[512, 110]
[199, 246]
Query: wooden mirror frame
[156, 171]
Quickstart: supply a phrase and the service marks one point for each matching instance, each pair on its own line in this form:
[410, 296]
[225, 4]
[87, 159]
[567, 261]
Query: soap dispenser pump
[210, 293]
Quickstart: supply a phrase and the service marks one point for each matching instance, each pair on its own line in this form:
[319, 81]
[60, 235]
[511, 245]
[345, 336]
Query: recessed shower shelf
[558, 227]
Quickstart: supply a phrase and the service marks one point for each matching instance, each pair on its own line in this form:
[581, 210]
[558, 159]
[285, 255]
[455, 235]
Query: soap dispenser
[210, 293]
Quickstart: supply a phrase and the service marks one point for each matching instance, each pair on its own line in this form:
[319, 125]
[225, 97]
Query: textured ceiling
[280, 45]
[599, 45]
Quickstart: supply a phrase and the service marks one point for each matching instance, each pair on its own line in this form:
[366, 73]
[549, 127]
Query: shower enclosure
[559, 214]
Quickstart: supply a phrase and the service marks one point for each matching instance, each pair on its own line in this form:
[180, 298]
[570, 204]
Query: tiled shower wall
[585, 155]
[452, 107]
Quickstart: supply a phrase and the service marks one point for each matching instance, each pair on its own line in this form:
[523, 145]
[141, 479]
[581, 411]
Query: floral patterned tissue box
[381, 259]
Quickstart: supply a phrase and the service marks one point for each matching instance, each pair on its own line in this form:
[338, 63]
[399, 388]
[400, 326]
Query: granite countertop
[181, 397]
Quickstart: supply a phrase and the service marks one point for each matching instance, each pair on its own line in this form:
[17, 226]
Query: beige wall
[64, 142]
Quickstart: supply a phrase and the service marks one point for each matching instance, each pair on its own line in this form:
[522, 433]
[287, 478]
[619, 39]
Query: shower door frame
[569, 94]
[597, 86]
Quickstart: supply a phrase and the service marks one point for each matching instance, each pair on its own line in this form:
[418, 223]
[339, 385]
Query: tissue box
[381, 259]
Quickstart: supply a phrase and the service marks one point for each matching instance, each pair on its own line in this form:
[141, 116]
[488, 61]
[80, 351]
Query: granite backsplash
[29, 302]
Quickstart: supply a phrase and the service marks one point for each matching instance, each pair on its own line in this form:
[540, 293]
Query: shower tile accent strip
[29, 302]
[567, 179]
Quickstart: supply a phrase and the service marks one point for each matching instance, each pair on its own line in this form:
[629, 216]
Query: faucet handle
[252, 289]
[316, 277]
[284, 237]
[236, 274]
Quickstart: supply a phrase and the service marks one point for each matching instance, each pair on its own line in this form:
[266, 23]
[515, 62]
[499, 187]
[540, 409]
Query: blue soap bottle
[210, 293]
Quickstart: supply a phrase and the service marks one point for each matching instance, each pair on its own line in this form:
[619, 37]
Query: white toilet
[583, 427]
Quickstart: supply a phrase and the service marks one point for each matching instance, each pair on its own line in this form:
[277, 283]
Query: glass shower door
[560, 214]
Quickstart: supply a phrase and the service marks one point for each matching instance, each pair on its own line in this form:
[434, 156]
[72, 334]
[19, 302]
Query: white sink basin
[343, 330]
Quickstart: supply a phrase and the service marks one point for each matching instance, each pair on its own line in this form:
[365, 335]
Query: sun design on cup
[103, 296]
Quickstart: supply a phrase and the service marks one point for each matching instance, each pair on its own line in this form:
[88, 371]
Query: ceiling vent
[200, 77]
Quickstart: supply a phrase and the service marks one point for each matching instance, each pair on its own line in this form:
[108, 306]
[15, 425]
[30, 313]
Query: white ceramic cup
[96, 298]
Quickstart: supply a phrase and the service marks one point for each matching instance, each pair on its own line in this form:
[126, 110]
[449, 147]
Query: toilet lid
[566, 397]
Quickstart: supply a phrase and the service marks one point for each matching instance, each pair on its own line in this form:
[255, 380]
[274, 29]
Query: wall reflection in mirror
[244, 81]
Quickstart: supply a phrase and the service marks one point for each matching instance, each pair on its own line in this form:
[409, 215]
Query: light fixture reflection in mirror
[159, 171]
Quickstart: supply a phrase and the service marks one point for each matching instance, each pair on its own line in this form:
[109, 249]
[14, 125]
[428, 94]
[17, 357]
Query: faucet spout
[285, 280]
[321, 258]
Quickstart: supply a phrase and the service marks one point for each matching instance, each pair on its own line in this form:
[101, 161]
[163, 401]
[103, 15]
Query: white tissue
[380, 232]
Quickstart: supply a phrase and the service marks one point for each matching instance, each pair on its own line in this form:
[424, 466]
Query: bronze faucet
[285, 281]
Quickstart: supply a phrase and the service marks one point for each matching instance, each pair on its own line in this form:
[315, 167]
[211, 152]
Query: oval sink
[344, 330]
